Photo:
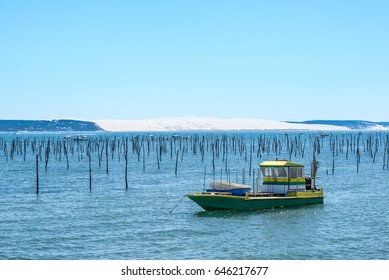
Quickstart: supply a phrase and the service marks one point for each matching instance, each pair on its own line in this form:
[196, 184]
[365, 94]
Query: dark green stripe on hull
[220, 202]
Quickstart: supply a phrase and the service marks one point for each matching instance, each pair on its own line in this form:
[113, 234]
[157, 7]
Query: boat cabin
[283, 177]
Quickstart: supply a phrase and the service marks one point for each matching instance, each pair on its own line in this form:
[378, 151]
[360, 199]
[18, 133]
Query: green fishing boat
[283, 185]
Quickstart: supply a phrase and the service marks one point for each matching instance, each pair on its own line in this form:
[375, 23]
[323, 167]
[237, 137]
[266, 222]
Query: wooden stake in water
[205, 175]
[159, 166]
[90, 173]
[65, 150]
[37, 174]
[221, 177]
[213, 157]
[253, 179]
[47, 154]
[177, 162]
[251, 157]
[126, 159]
[90, 165]
[144, 157]
[106, 156]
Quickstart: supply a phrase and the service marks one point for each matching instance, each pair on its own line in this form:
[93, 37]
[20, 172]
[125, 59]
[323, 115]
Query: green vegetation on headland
[53, 125]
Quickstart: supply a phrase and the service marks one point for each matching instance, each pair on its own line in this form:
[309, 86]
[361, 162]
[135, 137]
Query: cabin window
[296, 172]
[266, 171]
[293, 172]
[280, 172]
[273, 171]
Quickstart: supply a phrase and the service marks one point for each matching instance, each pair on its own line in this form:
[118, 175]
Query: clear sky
[137, 59]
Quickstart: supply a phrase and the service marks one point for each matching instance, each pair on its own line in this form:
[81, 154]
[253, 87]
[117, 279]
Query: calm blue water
[67, 221]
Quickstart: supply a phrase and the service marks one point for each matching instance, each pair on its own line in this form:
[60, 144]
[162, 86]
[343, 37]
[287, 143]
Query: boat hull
[229, 202]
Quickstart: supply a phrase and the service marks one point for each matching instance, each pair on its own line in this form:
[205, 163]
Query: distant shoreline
[186, 124]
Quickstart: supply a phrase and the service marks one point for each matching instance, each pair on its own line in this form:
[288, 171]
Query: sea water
[68, 221]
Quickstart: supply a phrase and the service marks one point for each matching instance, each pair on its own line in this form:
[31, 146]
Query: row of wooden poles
[218, 145]
[176, 147]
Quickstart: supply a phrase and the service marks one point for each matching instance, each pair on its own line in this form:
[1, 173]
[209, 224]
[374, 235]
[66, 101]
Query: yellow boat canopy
[280, 163]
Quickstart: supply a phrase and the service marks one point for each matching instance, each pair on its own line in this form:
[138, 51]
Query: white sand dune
[205, 124]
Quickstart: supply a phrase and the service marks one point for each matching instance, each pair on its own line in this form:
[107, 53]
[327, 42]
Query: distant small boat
[283, 186]
[77, 138]
[81, 138]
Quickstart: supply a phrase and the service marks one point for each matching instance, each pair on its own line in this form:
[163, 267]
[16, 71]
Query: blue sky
[278, 60]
